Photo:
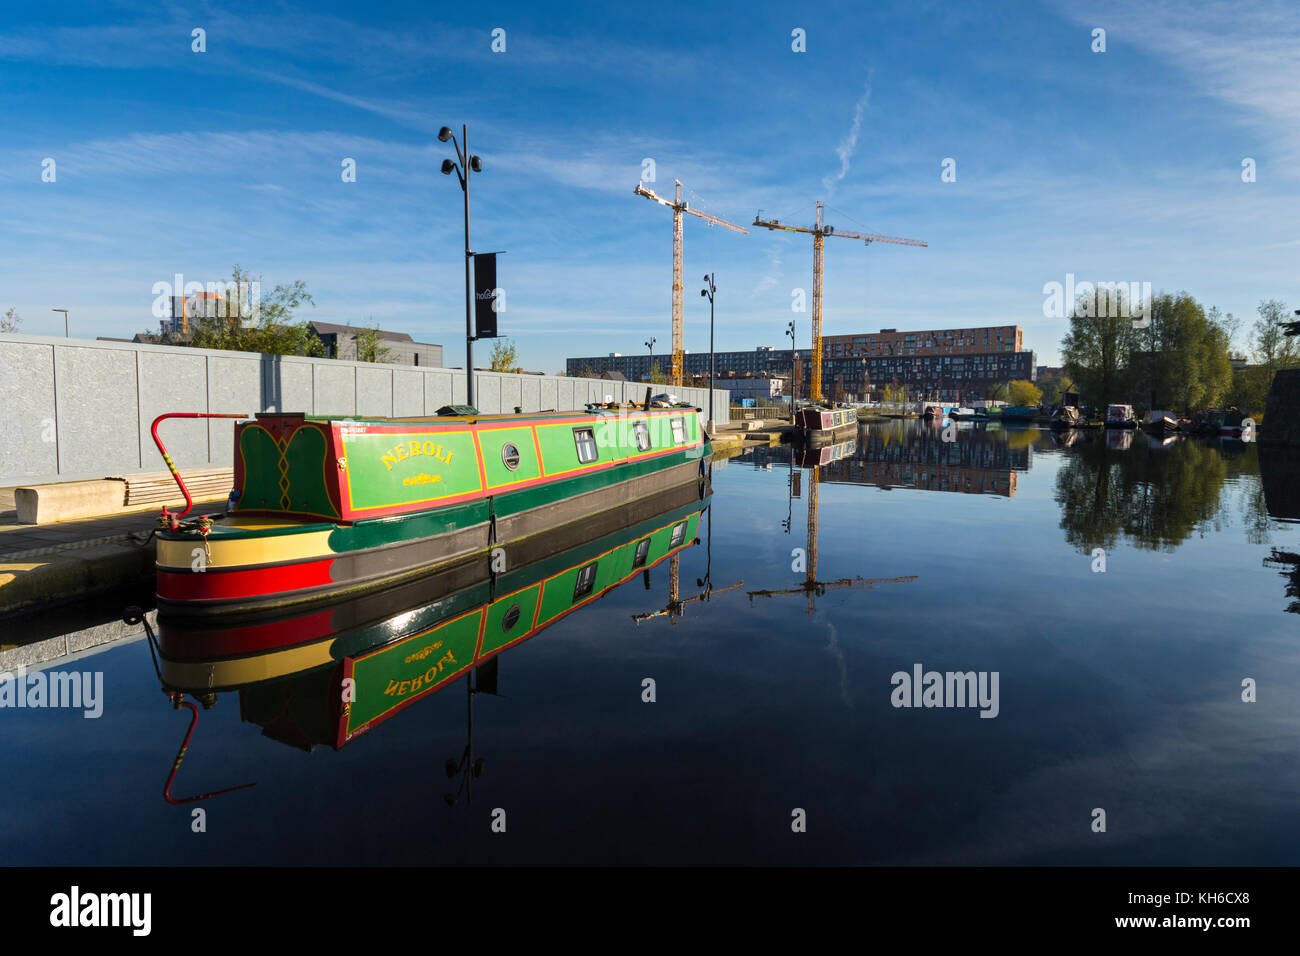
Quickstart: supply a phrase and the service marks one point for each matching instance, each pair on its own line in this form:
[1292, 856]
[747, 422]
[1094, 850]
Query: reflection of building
[971, 463]
[943, 365]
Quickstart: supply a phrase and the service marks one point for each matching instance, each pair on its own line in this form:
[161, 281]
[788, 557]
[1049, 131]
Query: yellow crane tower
[819, 233]
[678, 207]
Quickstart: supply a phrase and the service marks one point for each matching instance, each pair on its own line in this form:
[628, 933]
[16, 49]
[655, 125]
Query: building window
[678, 535]
[679, 430]
[585, 440]
[642, 553]
[585, 582]
[510, 456]
[641, 431]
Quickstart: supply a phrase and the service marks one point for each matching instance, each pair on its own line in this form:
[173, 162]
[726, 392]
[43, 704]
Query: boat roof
[511, 416]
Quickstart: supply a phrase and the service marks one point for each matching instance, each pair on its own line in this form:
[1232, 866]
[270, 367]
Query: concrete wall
[72, 409]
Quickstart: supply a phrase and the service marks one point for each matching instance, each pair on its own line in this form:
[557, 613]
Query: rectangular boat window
[679, 535]
[679, 430]
[585, 439]
[585, 582]
[642, 432]
[642, 552]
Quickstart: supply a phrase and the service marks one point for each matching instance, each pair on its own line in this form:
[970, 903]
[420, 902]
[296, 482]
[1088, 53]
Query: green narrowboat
[327, 507]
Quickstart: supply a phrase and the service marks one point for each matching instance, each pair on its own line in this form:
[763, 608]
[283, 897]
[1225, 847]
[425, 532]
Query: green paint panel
[261, 470]
[406, 468]
[305, 457]
[402, 672]
[494, 632]
[493, 443]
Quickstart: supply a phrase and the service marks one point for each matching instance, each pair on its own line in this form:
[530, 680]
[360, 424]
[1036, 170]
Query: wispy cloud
[849, 144]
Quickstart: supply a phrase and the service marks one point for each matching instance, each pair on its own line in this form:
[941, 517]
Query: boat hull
[261, 558]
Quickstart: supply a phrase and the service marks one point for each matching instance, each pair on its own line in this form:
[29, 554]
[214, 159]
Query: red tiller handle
[171, 466]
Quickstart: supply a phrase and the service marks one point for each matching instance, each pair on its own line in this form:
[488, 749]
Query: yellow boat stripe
[231, 552]
[245, 670]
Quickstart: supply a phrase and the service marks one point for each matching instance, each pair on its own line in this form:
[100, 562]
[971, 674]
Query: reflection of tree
[1289, 565]
[1155, 498]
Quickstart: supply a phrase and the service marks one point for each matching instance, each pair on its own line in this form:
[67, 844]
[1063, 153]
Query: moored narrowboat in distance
[932, 412]
[1024, 414]
[1120, 416]
[326, 507]
[817, 423]
[1231, 425]
[1160, 422]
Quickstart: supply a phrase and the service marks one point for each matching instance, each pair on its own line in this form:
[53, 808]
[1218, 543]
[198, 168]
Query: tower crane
[678, 207]
[819, 233]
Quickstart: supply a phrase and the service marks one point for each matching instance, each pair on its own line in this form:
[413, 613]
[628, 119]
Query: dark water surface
[1119, 690]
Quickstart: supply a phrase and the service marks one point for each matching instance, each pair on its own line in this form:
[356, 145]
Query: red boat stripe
[253, 582]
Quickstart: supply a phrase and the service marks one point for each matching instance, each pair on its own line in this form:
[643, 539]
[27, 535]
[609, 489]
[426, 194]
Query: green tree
[1182, 356]
[265, 323]
[505, 356]
[11, 321]
[1273, 348]
[370, 347]
[1097, 348]
[657, 376]
[1023, 392]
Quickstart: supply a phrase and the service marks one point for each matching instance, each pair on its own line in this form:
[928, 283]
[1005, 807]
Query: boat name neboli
[412, 448]
[950, 689]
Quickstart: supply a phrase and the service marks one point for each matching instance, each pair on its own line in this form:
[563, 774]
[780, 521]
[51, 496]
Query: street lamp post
[65, 321]
[462, 166]
[790, 332]
[650, 369]
[709, 293]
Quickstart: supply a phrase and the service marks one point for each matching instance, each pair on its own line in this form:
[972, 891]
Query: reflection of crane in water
[676, 606]
[811, 586]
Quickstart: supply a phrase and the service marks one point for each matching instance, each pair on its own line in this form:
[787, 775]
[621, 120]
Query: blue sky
[1115, 166]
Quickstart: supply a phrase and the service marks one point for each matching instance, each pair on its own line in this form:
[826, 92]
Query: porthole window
[510, 455]
[586, 581]
[585, 440]
[511, 618]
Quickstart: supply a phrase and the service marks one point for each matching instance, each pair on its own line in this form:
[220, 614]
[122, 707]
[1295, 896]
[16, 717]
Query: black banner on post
[485, 295]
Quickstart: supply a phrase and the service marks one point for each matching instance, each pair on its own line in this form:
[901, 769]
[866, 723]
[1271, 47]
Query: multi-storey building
[945, 365]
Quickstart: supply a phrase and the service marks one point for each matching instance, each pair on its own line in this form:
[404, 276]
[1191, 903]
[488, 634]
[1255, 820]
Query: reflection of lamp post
[65, 321]
[462, 167]
[708, 293]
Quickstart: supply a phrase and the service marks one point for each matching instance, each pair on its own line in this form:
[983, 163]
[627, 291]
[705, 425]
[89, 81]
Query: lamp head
[447, 167]
[476, 164]
[444, 134]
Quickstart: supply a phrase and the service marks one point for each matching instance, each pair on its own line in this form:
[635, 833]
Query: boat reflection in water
[331, 675]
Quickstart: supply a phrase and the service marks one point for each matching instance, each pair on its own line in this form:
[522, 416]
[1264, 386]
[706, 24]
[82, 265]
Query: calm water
[1118, 690]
